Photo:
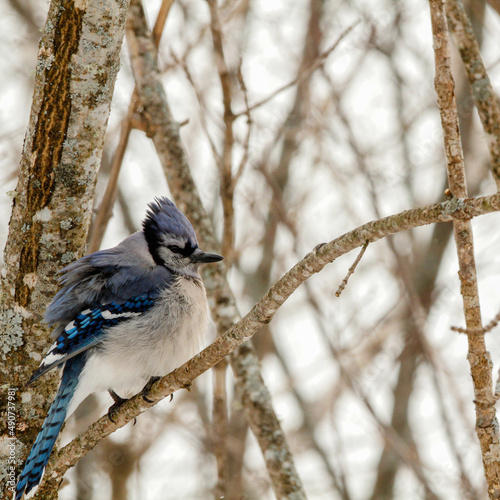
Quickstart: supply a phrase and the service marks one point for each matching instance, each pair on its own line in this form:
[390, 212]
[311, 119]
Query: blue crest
[163, 217]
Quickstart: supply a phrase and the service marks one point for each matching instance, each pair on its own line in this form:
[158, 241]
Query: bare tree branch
[105, 210]
[165, 136]
[478, 357]
[485, 97]
[265, 309]
[351, 270]
[306, 73]
[227, 186]
[256, 405]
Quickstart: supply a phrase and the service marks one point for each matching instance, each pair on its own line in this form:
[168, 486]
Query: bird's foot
[113, 409]
[147, 388]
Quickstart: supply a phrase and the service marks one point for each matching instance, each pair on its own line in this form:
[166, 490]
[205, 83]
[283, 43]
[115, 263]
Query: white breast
[150, 345]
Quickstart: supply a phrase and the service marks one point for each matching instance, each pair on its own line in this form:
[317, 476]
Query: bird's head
[171, 238]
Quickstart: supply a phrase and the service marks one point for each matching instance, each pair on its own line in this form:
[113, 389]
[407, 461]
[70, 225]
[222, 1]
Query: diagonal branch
[165, 135]
[263, 312]
[485, 97]
[108, 200]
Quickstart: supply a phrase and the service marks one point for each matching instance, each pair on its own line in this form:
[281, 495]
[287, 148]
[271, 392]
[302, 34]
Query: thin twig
[161, 19]
[201, 103]
[351, 270]
[227, 184]
[302, 75]
[246, 144]
[105, 210]
[497, 387]
[494, 322]
[219, 432]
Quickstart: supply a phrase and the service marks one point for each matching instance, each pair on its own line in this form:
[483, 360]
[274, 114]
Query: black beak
[201, 257]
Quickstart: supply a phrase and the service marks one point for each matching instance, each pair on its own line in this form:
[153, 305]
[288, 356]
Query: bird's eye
[175, 248]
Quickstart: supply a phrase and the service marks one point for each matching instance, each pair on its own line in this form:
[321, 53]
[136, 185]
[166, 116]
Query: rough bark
[77, 65]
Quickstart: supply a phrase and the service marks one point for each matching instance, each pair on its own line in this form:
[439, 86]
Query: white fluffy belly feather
[150, 345]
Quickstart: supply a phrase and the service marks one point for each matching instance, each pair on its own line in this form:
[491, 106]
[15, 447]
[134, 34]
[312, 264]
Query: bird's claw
[112, 412]
[147, 388]
[113, 409]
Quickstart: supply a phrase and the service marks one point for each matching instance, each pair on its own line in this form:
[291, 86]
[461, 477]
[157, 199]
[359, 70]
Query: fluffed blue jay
[123, 316]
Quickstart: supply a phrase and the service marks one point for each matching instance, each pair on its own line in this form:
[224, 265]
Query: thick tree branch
[265, 309]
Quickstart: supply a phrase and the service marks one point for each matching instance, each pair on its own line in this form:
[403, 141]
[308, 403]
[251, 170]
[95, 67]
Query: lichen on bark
[78, 61]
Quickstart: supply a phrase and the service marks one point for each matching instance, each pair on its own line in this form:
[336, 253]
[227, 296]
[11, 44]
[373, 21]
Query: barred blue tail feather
[34, 467]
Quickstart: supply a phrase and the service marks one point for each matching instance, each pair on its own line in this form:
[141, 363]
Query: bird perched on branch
[123, 318]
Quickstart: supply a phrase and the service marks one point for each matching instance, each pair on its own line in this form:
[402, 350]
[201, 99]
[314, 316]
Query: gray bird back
[112, 275]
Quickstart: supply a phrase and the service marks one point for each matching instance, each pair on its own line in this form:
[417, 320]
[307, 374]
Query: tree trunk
[78, 61]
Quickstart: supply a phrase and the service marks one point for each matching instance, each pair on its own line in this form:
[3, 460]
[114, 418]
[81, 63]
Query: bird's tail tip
[26, 489]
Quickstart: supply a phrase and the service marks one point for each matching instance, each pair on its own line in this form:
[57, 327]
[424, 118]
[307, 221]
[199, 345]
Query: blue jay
[123, 317]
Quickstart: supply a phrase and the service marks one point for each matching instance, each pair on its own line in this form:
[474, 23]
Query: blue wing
[114, 275]
[99, 291]
[87, 329]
